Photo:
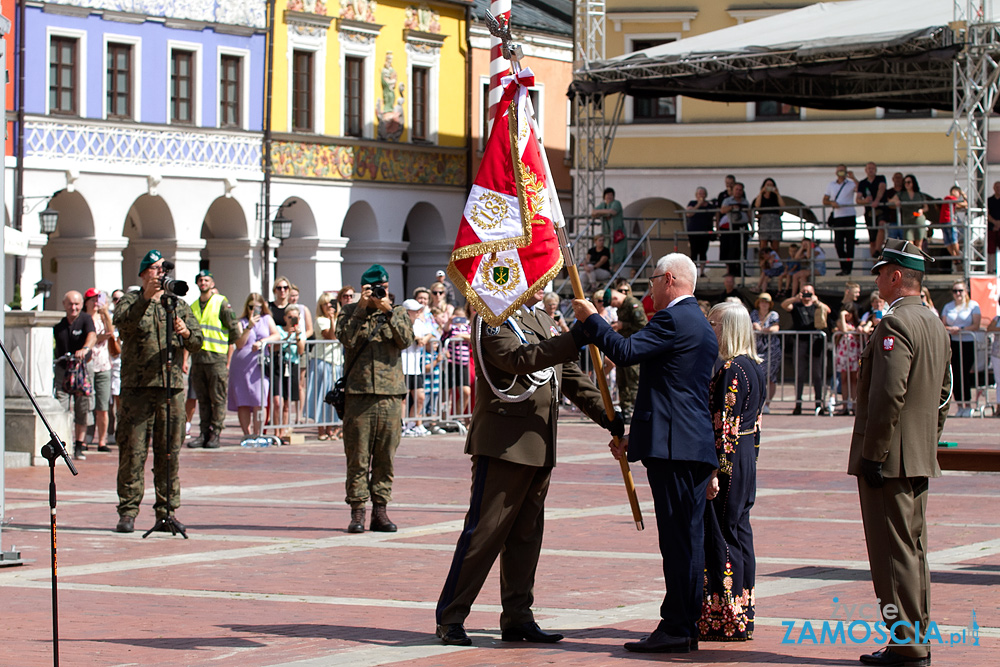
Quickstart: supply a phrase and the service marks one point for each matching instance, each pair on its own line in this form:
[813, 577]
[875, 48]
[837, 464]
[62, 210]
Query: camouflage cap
[152, 257]
[375, 275]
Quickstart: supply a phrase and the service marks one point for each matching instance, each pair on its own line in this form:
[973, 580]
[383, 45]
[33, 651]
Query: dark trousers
[699, 242]
[733, 246]
[678, 490]
[211, 385]
[808, 365]
[506, 519]
[963, 365]
[896, 535]
[141, 420]
[843, 240]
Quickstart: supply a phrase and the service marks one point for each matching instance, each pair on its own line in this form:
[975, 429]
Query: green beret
[902, 253]
[152, 257]
[204, 273]
[375, 275]
[606, 299]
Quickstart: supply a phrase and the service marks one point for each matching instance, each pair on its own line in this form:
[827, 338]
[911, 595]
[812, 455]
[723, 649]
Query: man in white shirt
[843, 219]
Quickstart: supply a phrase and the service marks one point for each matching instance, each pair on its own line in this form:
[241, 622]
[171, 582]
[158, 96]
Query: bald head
[72, 304]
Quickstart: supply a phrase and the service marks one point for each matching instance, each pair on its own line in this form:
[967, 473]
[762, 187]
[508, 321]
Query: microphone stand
[52, 450]
[167, 522]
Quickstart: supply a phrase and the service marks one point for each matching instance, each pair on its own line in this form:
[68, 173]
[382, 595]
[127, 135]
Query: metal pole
[265, 211]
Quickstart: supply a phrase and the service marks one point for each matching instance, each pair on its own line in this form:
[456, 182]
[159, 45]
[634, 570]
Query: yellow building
[370, 138]
[665, 148]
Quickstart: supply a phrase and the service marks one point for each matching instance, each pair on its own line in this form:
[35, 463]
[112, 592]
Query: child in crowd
[771, 266]
[791, 267]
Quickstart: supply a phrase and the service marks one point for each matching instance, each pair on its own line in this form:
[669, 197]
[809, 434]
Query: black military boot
[357, 524]
[380, 520]
[201, 440]
[212, 442]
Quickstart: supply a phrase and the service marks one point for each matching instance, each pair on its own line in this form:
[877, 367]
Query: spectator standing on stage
[75, 335]
[993, 229]
[871, 194]
[613, 226]
[962, 319]
[840, 196]
[913, 207]
[812, 259]
[699, 227]
[807, 313]
[210, 364]
[891, 213]
[96, 305]
[952, 219]
[733, 227]
[769, 219]
[374, 334]
[771, 266]
[727, 192]
[596, 267]
[146, 392]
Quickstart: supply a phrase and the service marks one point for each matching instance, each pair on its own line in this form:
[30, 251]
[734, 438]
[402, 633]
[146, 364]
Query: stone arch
[303, 218]
[425, 254]
[228, 251]
[68, 257]
[365, 247]
[149, 224]
[670, 219]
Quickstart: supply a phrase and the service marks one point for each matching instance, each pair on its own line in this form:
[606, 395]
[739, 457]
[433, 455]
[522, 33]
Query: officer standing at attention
[146, 391]
[210, 365]
[374, 334]
[631, 318]
[521, 368]
[903, 399]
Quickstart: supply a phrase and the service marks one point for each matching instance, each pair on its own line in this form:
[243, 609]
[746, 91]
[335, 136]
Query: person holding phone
[249, 386]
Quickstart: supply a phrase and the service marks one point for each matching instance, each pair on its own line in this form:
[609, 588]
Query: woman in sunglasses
[962, 318]
[439, 299]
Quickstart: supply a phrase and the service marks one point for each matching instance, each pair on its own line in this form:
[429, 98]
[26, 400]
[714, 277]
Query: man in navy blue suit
[671, 433]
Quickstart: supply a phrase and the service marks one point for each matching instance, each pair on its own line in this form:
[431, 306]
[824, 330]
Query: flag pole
[499, 27]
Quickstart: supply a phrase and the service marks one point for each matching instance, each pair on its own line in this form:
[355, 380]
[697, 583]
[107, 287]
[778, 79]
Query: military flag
[506, 248]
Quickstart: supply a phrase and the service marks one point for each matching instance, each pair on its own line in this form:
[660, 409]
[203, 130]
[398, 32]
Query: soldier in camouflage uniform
[631, 318]
[210, 364]
[141, 322]
[374, 334]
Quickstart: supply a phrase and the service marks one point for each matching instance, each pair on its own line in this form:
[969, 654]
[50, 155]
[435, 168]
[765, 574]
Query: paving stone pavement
[270, 576]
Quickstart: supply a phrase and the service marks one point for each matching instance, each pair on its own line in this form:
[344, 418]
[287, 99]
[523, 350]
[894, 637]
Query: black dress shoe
[126, 524]
[661, 642]
[453, 634]
[529, 632]
[890, 658]
[797, 410]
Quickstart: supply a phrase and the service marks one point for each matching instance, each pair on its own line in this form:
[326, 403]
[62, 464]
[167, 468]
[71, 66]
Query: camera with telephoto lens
[169, 285]
[378, 292]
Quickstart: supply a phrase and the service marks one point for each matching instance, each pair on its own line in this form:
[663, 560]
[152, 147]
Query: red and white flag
[506, 248]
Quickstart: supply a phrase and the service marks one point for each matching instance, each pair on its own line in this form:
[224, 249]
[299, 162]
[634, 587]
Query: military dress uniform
[209, 369]
[632, 316]
[513, 448]
[903, 394]
[145, 393]
[373, 419]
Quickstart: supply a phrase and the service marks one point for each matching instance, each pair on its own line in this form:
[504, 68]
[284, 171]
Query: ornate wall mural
[358, 10]
[369, 163]
[422, 18]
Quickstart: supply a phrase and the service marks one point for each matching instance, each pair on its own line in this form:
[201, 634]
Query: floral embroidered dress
[737, 394]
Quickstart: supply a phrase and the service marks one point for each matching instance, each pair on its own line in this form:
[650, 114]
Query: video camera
[169, 285]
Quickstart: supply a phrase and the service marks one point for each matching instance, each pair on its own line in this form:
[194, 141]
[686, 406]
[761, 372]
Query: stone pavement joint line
[270, 577]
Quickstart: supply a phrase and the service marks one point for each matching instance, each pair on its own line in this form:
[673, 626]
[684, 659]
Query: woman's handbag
[76, 381]
[618, 236]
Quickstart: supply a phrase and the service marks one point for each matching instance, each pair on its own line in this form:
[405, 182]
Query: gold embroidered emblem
[489, 210]
[500, 276]
[534, 193]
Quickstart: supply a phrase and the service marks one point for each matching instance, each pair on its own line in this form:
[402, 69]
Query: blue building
[144, 119]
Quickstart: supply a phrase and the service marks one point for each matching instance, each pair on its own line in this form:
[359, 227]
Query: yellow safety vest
[214, 337]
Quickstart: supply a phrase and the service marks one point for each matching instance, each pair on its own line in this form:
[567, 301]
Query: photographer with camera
[142, 320]
[374, 334]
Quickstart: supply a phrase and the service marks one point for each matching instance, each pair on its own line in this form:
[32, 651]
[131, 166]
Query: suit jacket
[676, 353]
[525, 432]
[902, 386]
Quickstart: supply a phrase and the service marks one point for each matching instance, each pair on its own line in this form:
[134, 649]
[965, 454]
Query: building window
[354, 90]
[181, 87]
[420, 99]
[230, 91]
[119, 81]
[302, 91]
[776, 111]
[653, 109]
[63, 75]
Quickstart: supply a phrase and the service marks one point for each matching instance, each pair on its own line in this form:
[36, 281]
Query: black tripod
[167, 522]
[51, 451]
